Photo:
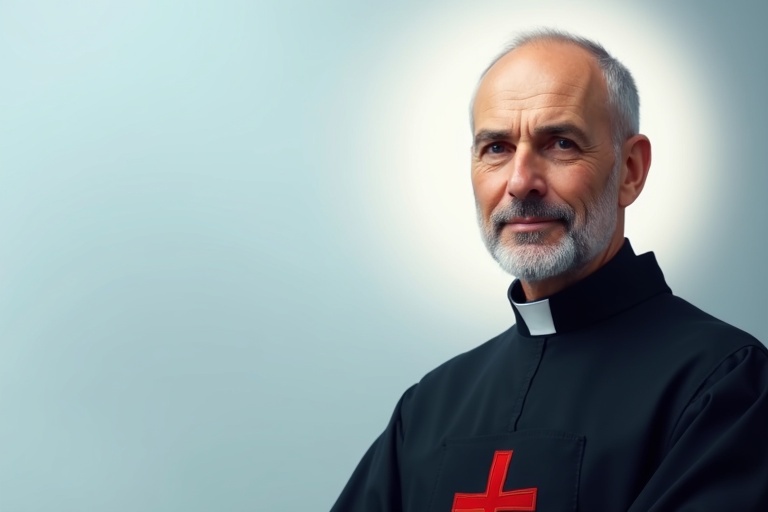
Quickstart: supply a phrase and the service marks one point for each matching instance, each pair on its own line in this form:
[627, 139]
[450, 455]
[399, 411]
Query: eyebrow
[484, 136]
[562, 129]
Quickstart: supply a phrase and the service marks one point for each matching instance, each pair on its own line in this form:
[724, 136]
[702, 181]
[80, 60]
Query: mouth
[528, 224]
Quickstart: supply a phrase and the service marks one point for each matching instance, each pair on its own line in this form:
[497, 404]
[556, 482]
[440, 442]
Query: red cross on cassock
[495, 499]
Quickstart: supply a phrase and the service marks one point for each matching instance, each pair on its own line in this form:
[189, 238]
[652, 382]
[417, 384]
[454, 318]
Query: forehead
[542, 82]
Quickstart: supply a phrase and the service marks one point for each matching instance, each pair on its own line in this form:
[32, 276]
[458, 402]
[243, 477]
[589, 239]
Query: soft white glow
[420, 163]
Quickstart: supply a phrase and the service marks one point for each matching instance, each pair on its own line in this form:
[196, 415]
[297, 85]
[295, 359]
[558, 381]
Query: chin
[534, 262]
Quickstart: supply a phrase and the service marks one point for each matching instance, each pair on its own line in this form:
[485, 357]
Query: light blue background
[196, 310]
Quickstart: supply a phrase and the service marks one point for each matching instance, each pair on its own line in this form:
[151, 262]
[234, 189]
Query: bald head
[621, 93]
[543, 80]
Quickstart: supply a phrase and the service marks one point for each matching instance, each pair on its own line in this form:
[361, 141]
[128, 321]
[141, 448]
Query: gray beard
[530, 258]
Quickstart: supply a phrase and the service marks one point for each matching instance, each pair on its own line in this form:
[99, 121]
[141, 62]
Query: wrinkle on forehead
[531, 91]
[521, 123]
[534, 98]
[541, 81]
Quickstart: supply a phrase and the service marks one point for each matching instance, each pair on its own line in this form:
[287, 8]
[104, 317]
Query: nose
[526, 175]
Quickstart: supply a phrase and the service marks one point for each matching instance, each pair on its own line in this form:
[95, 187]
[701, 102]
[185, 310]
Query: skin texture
[542, 130]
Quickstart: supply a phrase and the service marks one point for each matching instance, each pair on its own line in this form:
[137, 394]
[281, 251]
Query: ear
[637, 161]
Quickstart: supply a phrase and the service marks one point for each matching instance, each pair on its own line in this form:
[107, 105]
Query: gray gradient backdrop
[232, 233]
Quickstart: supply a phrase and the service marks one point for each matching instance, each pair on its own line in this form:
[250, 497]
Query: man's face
[544, 171]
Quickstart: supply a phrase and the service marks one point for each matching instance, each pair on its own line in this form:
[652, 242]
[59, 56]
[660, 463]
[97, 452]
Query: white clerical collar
[537, 317]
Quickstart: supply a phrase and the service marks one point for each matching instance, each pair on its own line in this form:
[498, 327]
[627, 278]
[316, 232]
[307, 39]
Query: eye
[496, 153]
[496, 148]
[565, 144]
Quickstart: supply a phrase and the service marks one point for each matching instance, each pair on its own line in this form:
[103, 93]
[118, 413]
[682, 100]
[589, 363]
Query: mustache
[532, 208]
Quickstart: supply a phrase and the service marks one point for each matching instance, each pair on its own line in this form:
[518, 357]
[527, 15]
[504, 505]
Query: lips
[532, 220]
[524, 224]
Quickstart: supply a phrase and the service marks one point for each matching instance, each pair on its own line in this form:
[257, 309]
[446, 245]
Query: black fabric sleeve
[717, 456]
[375, 483]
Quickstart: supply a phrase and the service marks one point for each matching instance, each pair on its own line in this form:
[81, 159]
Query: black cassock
[611, 395]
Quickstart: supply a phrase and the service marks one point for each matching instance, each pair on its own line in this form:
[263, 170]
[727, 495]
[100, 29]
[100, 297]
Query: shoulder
[696, 350]
[688, 331]
[462, 373]
[471, 363]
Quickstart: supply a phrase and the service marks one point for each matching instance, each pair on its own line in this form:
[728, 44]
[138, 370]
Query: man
[609, 393]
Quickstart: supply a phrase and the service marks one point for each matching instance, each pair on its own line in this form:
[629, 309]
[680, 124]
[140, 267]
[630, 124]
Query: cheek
[489, 190]
[578, 190]
[581, 207]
